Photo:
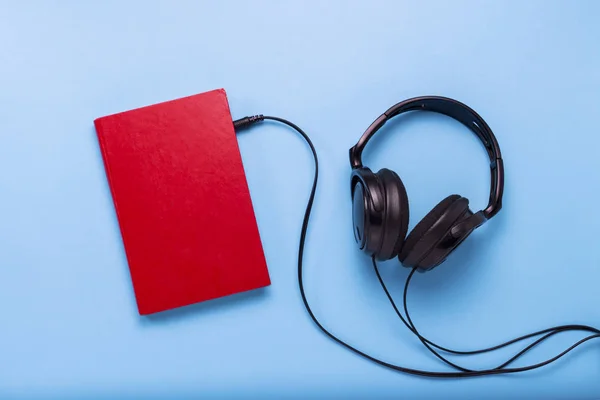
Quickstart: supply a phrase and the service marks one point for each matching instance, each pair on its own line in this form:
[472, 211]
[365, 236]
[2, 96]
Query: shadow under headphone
[380, 202]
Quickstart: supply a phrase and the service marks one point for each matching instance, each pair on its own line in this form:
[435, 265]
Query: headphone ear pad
[396, 214]
[426, 235]
[368, 207]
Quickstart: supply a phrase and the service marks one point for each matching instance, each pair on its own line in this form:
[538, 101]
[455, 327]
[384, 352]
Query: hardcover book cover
[182, 201]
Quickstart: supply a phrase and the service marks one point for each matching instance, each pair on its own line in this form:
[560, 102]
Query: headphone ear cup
[396, 214]
[418, 250]
[367, 210]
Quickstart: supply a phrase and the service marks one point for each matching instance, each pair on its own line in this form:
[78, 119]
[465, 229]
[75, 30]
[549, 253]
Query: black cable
[247, 121]
[552, 331]
[426, 342]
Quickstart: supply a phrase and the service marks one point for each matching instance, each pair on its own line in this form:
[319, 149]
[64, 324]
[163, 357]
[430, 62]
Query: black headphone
[380, 202]
[380, 219]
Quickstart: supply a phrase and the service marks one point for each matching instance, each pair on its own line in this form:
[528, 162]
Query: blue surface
[532, 69]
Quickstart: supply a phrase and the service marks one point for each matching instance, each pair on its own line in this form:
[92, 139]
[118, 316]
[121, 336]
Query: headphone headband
[463, 114]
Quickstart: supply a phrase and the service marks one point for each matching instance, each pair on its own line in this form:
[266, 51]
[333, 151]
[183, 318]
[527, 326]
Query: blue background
[70, 328]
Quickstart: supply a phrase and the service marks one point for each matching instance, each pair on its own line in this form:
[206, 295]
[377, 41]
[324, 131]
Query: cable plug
[241, 123]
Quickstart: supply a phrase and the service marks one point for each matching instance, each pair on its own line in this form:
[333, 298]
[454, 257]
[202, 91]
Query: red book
[182, 202]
